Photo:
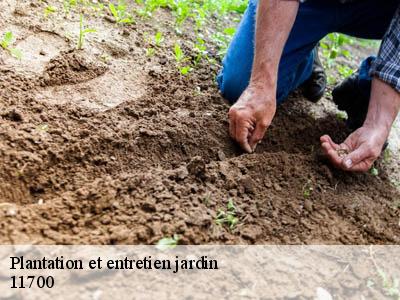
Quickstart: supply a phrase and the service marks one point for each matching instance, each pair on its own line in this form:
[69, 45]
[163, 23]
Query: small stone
[277, 187]
[11, 212]
[248, 185]
[308, 205]
[40, 201]
[182, 173]
[251, 232]
[268, 183]
[221, 155]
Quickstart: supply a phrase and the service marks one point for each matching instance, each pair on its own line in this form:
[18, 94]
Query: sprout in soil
[49, 10]
[168, 243]
[341, 116]
[227, 217]
[82, 33]
[120, 13]
[6, 42]
[374, 171]
[180, 58]
[158, 38]
[307, 189]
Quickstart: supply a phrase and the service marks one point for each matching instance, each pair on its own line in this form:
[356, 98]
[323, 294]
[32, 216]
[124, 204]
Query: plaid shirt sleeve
[387, 65]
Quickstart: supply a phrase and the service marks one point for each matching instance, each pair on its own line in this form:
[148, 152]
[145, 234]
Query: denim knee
[230, 86]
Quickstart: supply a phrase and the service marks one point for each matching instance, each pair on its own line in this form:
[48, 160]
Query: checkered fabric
[387, 65]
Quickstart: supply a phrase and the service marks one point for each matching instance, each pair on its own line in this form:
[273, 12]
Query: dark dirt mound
[72, 67]
[163, 163]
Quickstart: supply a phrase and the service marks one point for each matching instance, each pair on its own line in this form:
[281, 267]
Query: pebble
[277, 187]
[221, 155]
[308, 205]
[11, 212]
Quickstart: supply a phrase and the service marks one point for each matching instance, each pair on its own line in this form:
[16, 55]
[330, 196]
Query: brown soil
[125, 150]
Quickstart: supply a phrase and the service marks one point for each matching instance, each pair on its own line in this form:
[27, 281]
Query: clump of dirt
[162, 163]
[72, 67]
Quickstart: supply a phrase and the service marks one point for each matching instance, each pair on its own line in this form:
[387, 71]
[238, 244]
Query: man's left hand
[359, 151]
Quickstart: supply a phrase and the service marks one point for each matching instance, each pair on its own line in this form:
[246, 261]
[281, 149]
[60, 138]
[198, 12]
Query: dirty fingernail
[348, 163]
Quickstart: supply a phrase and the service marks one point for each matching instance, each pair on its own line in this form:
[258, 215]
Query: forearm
[383, 107]
[275, 20]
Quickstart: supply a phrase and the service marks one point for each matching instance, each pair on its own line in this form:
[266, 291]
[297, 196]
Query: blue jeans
[316, 18]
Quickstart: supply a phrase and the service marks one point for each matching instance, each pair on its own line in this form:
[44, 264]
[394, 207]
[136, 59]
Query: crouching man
[274, 52]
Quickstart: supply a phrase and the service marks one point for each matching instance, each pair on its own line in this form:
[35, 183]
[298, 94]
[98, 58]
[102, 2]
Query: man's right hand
[251, 115]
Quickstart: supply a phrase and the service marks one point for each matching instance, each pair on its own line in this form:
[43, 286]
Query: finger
[334, 157]
[327, 139]
[258, 134]
[326, 147]
[363, 166]
[242, 134]
[232, 125]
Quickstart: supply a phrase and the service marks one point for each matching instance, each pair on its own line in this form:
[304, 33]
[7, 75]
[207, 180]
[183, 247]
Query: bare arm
[275, 20]
[250, 117]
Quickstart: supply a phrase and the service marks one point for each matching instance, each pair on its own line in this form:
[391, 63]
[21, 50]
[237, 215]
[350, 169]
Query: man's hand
[250, 117]
[359, 151]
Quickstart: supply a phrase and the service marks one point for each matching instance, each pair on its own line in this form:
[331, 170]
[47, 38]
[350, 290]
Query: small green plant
[332, 47]
[180, 59]
[82, 33]
[120, 13]
[6, 43]
[391, 286]
[227, 217]
[68, 4]
[201, 50]
[49, 10]
[179, 56]
[307, 189]
[344, 71]
[168, 243]
[158, 38]
[374, 171]
[150, 52]
[387, 155]
[341, 116]
[222, 39]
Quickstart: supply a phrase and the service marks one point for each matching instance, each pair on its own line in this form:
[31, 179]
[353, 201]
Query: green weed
[341, 116]
[332, 47]
[158, 38]
[82, 33]
[168, 243]
[49, 10]
[7, 41]
[120, 13]
[307, 189]
[390, 285]
[181, 59]
[228, 216]
[374, 171]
